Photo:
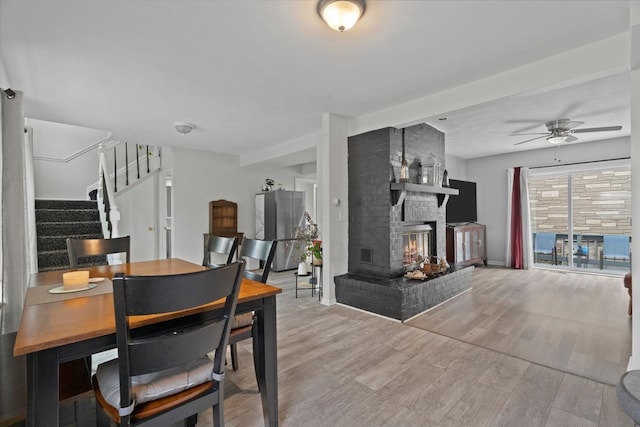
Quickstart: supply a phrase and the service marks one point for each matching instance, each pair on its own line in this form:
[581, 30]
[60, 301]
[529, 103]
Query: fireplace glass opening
[417, 241]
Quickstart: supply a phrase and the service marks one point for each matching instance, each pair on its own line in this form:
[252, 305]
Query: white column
[634, 12]
[333, 198]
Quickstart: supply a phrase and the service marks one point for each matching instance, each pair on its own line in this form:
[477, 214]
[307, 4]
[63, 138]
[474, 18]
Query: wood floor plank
[439, 397]
[504, 373]
[476, 408]
[530, 402]
[610, 412]
[580, 397]
[560, 418]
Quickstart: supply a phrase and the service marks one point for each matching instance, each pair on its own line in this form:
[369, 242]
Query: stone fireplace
[391, 224]
[378, 214]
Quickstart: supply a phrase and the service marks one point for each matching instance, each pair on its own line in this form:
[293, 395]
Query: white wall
[200, 177]
[53, 144]
[56, 180]
[456, 166]
[490, 174]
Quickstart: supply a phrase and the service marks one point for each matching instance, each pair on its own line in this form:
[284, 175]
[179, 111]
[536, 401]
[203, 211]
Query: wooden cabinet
[223, 219]
[466, 244]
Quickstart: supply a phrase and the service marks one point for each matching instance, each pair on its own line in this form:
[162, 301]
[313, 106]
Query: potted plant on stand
[315, 251]
[305, 237]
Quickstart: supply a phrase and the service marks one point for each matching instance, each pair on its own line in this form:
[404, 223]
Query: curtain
[519, 253]
[19, 258]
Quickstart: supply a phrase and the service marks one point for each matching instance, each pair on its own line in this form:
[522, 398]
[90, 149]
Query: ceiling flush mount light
[341, 14]
[184, 127]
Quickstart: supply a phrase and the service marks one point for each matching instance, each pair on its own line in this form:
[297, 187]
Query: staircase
[56, 220]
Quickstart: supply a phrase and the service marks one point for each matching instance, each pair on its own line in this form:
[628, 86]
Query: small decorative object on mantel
[404, 166]
[431, 171]
[445, 178]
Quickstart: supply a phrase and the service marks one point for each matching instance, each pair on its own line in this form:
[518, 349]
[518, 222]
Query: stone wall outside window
[601, 202]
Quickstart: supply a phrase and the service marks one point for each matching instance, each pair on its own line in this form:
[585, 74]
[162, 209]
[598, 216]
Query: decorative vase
[302, 269]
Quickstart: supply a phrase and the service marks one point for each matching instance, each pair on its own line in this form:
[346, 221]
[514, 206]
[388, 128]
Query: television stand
[466, 244]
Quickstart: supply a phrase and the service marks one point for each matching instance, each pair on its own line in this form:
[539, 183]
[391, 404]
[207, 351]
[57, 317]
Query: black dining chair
[219, 245]
[168, 371]
[89, 252]
[243, 326]
[89, 249]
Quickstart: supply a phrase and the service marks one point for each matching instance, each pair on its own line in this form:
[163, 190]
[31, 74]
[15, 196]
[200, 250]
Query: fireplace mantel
[399, 191]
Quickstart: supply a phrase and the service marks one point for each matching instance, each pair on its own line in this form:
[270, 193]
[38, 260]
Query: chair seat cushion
[154, 385]
[628, 393]
[242, 320]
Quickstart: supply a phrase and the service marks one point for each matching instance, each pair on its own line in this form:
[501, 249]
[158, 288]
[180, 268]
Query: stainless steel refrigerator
[278, 213]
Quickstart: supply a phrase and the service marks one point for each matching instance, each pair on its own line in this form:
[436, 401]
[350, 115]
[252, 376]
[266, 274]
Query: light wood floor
[342, 367]
[576, 323]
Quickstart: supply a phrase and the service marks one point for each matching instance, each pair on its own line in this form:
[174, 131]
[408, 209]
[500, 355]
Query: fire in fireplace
[417, 242]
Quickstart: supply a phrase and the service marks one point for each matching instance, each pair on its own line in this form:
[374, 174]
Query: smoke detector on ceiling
[184, 127]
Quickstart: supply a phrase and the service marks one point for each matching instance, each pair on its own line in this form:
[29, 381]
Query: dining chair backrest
[173, 343]
[544, 243]
[82, 248]
[219, 245]
[261, 250]
[615, 246]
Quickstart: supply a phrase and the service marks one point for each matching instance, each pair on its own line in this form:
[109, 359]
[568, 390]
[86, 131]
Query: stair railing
[107, 197]
[112, 183]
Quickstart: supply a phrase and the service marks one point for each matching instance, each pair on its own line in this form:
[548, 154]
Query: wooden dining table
[55, 328]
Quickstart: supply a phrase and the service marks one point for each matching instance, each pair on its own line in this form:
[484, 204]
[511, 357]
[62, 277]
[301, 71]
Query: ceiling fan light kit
[341, 15]
[561, 131]
[557, 139]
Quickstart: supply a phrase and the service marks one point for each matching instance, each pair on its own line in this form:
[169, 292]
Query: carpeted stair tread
[60, 260]
[66, 215]
[79, 228]
[54, 243]
[66, 204]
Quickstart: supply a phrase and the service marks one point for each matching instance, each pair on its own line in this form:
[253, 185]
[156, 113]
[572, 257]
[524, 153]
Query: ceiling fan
[562, 130]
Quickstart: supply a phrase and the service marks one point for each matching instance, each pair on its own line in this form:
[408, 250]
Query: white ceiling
[485, 129]
[255, 73]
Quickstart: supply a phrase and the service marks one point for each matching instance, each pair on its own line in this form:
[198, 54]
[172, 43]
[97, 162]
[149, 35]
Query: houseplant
[305, 237]
[315, 251]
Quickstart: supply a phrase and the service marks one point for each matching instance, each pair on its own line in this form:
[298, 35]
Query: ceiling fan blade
[532, 139]
[572, 124]
[535, 133]
[602, 129]
[570, 138]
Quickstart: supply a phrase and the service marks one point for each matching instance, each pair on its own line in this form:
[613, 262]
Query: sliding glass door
[581, 218]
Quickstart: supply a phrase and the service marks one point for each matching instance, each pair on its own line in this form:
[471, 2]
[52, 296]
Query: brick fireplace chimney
[375, 223]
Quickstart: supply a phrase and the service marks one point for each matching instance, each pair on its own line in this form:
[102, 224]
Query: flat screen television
[463, 207]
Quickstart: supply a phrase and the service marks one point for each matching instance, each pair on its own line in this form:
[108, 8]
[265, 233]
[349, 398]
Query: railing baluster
[115, 169]
[106, 204]
[138, 159]
[126, 163]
